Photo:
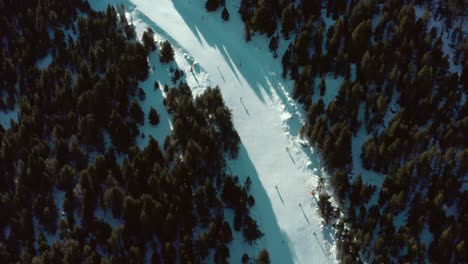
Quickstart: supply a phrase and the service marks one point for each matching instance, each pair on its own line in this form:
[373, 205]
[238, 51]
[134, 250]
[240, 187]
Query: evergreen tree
[262, 19]
[225, 14]
[274, 45]
[136, 113]
[153, 117]
[148, 39]
[322, 86]
[167, 53]
[263, 257]
[288, 20]
[211, 5]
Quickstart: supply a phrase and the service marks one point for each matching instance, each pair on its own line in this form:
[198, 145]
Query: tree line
[401, 71]
[76, 137]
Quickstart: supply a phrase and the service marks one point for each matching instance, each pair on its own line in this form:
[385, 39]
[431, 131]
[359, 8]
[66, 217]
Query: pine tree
[322, 86]
[325, 207]
[167, 53]
[225, 14]
[153, 117]
[263, 19]
[274, 45]
[148, 40]
[136, 113]
[263, 257]
[288, 20]
[211, 5]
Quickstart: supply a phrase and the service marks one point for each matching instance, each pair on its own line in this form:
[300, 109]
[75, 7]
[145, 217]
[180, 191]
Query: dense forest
[74, 185]
[402, 88]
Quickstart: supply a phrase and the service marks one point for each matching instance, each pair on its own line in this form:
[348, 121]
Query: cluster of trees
[401, 72]
[213, 5]
[73, 148]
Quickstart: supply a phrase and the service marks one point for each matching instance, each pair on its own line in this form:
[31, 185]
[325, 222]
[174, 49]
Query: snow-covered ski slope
[283, 171]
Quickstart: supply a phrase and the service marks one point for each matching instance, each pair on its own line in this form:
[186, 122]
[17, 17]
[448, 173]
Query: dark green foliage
[120, 132]
[75, 142]
[245, 258]
[311, 7]
[325, 207]
[211, 5]
[263, 257]
[274, 45]
[141, 94]
[66, 177]
[322, 86]
[148, 40]
[401, 57]
[225, 14]
[262, 19]
[247, 33]
[136, 113]
[167, 53]
[288, 20]
[250, 229]
[153, 117]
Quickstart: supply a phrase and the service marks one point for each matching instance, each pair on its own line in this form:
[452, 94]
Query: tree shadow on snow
[269, 82]
[274, 240]
[237, 53]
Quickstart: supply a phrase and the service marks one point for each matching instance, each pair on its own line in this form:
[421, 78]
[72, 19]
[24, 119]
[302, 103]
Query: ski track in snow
[264, 114]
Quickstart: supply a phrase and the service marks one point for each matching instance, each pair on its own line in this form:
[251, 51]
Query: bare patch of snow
[6, 117]
[44, 62]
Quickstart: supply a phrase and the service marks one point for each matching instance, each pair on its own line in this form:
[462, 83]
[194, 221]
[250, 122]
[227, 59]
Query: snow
[368, 176]
[400, 219]
[444, 32]
[44, 62]
[353, 72]
[59, 197]
[426, 237]
[6, 117]
[7, 231]
[450, 210]
[154, 98]
[106, 214]
[332, 85]
[266, 118]
[392, 109]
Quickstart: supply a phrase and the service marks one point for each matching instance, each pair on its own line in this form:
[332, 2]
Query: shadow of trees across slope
[266, 84]
[236, 52]
[274, 239]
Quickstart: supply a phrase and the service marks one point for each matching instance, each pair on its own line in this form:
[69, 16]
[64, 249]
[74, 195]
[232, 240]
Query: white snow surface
[264, 114]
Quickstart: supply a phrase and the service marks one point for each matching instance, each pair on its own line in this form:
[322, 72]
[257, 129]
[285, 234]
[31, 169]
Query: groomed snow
[264, 114]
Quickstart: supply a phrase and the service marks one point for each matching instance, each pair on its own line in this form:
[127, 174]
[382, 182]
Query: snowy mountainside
[267, 119]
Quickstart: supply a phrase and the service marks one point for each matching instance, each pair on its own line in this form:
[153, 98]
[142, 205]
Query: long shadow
[305, 216]
[279, 194]
[318, 241]
[275, 239]
[226, 47]
[290, 156]
[269, 82]
[245, 108]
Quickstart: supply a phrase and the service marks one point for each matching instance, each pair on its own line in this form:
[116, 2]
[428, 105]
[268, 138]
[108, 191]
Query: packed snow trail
[282, 170]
